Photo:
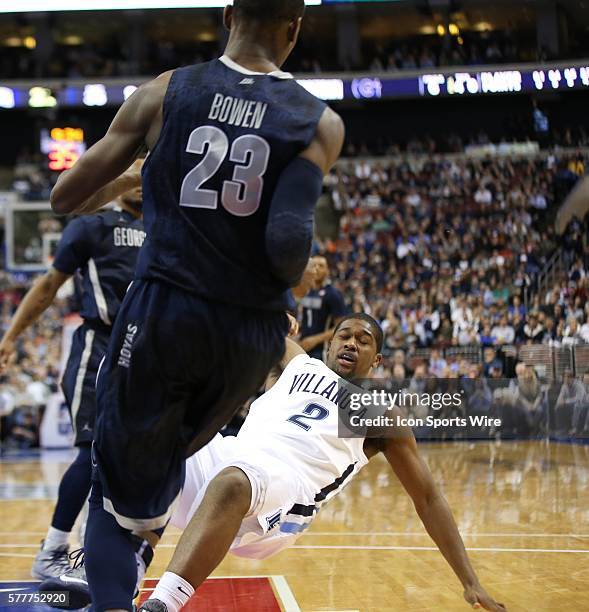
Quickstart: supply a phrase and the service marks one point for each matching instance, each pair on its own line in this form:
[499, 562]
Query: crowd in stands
[24, 389]
[470, 49]
[525, 405]
[445, 253]
[113, 56]
[519, 129]
[32, 179]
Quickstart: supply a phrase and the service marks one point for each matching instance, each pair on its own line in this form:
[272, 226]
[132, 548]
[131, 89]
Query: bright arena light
[324, 89]
[7, 98]
[28, 6]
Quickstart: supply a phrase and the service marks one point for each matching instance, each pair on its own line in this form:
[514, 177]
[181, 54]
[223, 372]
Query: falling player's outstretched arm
[402, 454]
[105, 171]
[33, 305]
[289, 232]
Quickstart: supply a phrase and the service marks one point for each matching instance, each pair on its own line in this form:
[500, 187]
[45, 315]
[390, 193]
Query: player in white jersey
[254, 494]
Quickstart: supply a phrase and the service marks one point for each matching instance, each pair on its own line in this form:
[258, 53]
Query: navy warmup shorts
[177, 369]
[79, 379]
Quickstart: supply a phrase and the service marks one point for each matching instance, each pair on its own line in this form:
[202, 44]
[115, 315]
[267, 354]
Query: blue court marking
[19, 455]
[49, 455]
[11, 491]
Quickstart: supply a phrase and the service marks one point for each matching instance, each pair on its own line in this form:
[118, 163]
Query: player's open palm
[7, 348]
[479, 599]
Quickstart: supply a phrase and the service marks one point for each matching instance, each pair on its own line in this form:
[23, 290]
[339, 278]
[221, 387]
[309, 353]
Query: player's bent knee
[233, 487]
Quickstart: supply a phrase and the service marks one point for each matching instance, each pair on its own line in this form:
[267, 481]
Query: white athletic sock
[55, 538]
[174, 591]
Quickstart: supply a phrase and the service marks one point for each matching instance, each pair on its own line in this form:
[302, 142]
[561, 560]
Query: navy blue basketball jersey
[321, 308]
[227, 135]
[103, 249]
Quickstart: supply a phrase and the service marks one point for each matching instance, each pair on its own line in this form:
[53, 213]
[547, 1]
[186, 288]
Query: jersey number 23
[240, 196]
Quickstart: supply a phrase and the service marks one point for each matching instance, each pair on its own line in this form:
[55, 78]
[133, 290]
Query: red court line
[228, 595]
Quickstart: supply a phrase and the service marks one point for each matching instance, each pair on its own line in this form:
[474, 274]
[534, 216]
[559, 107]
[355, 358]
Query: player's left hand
[7, 350]
[479, 599]
[293, 326]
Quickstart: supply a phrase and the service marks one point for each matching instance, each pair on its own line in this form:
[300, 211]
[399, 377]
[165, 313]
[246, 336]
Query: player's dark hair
[374, 325]
[269, 10]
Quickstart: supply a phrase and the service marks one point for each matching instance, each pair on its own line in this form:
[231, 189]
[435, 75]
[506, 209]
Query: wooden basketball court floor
[523, 508]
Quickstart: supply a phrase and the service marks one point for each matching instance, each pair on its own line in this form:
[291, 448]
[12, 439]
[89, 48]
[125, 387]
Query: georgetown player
[323, 308]
[102, 251]
[255, 494]
[238, 151]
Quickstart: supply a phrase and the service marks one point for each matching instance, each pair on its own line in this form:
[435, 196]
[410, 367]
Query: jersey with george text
[102, 249]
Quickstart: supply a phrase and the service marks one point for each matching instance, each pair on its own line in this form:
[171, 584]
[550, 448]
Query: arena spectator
[533, 331]
[503, 332]
[572, 333]
[572, 396]
[437, 364]
[528, 408]
[580, 420]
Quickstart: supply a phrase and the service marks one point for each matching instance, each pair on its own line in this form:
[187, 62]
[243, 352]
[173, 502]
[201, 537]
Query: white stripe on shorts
[98, 293]
[82, 369]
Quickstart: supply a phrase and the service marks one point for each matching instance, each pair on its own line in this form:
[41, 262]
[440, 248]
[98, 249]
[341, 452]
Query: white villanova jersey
[290, 449]
[296, 423]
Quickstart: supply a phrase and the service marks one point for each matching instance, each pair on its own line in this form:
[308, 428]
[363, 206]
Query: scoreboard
[62, 147]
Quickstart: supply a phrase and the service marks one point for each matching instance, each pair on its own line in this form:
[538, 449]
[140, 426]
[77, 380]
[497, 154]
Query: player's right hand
[479, 599]
[134, 171]
[7, 349]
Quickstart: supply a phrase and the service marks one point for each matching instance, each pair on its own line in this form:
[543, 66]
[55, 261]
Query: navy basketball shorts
[177, 369]
[79, 379]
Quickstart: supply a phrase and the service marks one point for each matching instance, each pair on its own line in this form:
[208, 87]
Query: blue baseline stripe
[293, 527]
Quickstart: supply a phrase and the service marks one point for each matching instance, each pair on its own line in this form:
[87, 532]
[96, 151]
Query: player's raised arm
[289, 232]
[402, 454]
[105, 171]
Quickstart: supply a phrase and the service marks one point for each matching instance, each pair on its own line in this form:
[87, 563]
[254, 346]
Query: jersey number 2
[313, 412]
[242, 195]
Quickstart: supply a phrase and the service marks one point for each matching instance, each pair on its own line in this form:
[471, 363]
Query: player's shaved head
[268, 10]
[265, 31]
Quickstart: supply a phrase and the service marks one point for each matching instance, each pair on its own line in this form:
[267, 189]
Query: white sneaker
[51, 563]
[73, 582]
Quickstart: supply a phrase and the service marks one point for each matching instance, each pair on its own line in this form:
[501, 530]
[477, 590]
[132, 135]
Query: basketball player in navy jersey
[101, 250]
[238, 151]
[322, 308]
